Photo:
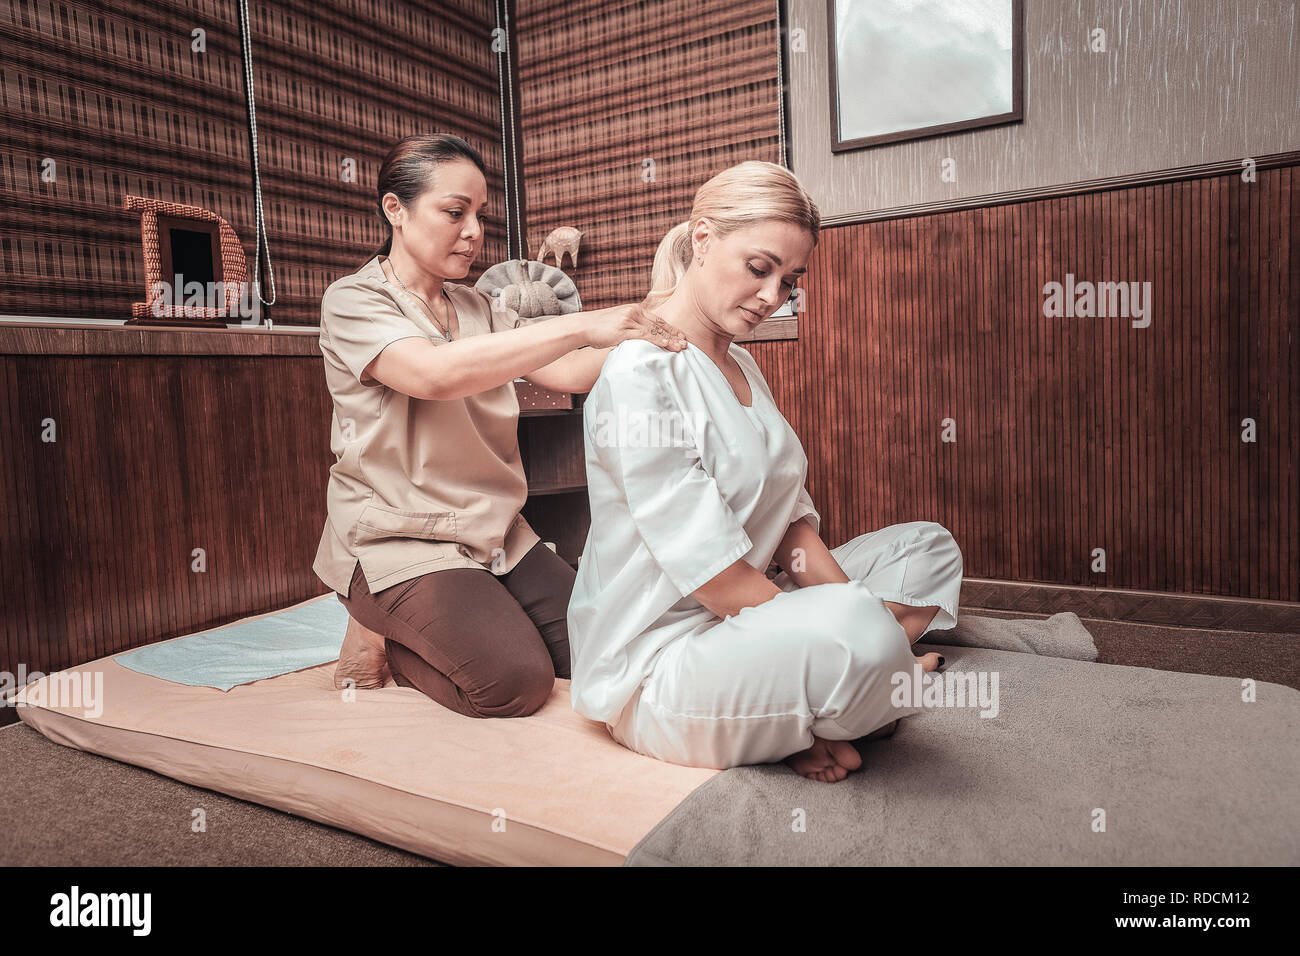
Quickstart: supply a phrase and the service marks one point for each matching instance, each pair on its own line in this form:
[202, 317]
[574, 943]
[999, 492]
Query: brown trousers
[480, 644]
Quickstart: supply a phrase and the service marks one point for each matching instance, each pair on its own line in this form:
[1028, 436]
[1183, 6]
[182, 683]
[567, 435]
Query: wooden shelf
[543, 488]
[543, 412]
[86, 339]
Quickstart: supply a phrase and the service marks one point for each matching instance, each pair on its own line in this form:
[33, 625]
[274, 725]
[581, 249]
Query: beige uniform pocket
[377, 522]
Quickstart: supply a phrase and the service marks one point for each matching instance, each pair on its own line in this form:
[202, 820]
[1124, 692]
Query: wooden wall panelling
[551, 447]
[1289, 350]
[155, 456]
[562, 519]
[1073, 433]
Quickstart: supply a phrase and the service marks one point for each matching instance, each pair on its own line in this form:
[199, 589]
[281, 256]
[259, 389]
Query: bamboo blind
[627, 108]
[121, 103]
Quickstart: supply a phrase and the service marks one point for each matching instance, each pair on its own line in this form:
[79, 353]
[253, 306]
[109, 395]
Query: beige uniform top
[417, 485]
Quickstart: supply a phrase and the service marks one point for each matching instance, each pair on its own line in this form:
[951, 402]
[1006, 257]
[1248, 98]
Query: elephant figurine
[561, 240]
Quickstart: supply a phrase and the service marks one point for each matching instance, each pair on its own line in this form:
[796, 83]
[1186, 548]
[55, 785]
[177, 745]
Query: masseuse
[446, 584]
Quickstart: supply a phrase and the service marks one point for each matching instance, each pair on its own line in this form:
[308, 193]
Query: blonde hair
[742, 195]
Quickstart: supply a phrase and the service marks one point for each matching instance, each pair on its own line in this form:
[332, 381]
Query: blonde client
[680, 642]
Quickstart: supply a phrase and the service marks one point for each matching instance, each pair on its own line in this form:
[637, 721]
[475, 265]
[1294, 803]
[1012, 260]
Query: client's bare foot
[929, 662]
[362, 659]
[826, 760]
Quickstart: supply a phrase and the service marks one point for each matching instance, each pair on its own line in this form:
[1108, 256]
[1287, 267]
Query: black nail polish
[940, 660]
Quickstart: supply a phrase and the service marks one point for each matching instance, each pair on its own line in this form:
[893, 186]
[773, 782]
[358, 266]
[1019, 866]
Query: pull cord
[262, 246]
[510, 156]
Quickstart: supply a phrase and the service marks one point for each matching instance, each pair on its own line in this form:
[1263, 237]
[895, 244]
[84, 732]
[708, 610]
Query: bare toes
[929, 662]
[844, 754]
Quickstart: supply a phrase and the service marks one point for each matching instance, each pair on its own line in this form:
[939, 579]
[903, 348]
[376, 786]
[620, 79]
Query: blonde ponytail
[742, 195]
[671, 259]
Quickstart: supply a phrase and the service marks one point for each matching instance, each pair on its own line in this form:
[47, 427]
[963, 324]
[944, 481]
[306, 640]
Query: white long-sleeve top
[683, 481]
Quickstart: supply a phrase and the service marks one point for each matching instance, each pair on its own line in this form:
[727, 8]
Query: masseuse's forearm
[739, 586]
[576, 372]
[586, 367]
[803, 555]
[475, 364]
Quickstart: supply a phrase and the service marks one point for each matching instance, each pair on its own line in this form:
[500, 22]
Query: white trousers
[756, 687]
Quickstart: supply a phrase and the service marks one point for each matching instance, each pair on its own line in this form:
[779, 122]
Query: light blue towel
[307, 635]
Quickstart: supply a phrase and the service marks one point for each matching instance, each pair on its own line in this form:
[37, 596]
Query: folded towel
[280, 642]
[1061, 635]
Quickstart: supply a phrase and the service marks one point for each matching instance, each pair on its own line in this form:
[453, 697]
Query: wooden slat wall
[1073, 433]
[167, 441]
[156, 455]
[119, 101]
[604, 87]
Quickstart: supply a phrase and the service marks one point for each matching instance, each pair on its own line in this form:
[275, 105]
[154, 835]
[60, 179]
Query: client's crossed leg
[832, 760]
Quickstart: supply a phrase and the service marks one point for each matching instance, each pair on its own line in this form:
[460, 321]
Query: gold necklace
[446, 332]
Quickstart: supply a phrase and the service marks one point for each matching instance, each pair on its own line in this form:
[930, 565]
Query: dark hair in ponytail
[408, 170]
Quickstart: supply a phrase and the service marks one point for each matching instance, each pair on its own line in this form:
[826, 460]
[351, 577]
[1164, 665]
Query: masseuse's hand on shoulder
[550, 354]
[619, 323]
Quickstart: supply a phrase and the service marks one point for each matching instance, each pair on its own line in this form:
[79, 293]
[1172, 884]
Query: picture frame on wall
[912, 69]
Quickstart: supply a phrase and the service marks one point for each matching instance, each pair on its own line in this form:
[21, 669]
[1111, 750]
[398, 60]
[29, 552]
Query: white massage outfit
[684, 481]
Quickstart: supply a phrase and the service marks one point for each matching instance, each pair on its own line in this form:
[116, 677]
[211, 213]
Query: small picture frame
[195, 270]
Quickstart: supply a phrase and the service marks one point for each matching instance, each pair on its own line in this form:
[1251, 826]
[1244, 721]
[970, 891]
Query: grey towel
[1188, 773]
[1061, 635]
